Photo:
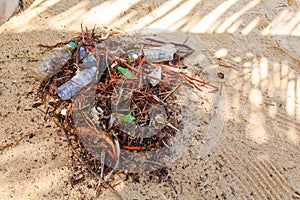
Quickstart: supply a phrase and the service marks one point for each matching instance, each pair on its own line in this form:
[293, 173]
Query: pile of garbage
[129, 101]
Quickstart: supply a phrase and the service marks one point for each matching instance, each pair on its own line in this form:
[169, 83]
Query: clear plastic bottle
[54, 60]
[160, 54]
[88, 58]
[83, 78]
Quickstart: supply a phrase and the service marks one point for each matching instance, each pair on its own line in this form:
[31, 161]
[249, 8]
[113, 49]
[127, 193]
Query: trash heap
[129, 102]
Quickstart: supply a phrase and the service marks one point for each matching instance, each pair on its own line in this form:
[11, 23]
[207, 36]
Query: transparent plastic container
[54, 60]
[160, 54]
[78, 82]
[88, 58]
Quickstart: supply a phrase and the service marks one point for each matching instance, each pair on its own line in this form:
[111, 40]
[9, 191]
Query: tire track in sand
[245, 181]
[279, 180]
[259, 177]
[271, 179]
[237, 195]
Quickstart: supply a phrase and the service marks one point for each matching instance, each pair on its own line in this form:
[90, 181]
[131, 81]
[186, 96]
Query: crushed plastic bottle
[160, 54]
[87, 57]
[83, 78]
[54, 60]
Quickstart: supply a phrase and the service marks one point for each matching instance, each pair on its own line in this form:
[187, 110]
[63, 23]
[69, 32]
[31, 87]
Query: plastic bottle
[87, 57]
[54, 60]
[80, 80]
[160, 54]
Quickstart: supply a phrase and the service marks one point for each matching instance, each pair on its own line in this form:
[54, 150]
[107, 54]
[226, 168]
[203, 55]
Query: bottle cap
[73, 44]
